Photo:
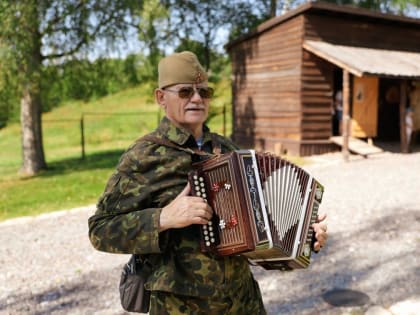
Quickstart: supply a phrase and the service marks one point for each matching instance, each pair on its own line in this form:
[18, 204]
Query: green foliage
[249, 15]
[219, 61]
[71, 80]
[203, 21]
[85, 80]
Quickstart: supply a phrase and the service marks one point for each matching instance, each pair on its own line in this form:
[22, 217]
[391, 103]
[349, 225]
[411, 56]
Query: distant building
[287, 73]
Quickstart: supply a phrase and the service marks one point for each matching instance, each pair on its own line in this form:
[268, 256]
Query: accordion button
[205, 227]
[212, 240]
[195, 176]
[204, 195]
[196, 182]
[205, 232]
[210, 228]
[222, 224]
[210, 223]
[208, 244]
[206, 238]
[202, 184]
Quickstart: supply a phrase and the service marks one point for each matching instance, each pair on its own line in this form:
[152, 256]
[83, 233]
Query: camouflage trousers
[243, 302]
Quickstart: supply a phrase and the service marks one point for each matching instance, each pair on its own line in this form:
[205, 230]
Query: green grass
[70, 181]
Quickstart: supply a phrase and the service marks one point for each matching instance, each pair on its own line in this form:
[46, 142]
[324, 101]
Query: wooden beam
[346, 115]
[403, 104]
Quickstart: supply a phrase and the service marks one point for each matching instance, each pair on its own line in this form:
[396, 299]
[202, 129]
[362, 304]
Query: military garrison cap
[182, 67]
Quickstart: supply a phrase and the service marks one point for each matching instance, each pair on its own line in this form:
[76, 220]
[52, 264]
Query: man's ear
[160, 98]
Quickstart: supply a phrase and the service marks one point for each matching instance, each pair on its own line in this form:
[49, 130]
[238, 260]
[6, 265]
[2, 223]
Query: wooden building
[287, 73]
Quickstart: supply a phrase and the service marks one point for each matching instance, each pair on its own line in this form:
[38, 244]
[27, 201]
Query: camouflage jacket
[148, 177]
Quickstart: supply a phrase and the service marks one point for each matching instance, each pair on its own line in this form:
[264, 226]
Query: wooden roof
[362, 61]
[324, 8]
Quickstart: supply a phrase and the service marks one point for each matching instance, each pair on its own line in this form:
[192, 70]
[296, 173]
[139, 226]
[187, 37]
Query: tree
[33, 33]
[204, 21]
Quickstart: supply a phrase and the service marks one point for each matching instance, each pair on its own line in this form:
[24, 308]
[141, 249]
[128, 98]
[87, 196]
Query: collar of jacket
[179, 135]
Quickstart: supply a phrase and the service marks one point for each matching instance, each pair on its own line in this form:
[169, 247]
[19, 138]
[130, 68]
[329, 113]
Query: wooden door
[364, 123]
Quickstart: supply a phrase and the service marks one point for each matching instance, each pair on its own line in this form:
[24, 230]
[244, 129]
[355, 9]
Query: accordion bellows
[264, 208]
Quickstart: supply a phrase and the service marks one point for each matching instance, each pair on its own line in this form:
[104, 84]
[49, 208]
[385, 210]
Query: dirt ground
[47, 265]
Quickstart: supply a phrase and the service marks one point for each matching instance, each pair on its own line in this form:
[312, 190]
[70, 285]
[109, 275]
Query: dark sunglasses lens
[206, 92]
[186, 92]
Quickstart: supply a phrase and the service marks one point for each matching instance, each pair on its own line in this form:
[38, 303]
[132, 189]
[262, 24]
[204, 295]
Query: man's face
[184, 105]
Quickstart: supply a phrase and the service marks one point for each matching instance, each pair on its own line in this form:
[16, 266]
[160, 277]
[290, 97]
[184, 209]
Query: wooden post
[224, 119]
[403, 104]
[346, 115]
[82, 136]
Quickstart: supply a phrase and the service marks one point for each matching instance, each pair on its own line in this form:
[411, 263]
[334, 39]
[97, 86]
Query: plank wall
[362, 31]
[266, 86]
[316, 97]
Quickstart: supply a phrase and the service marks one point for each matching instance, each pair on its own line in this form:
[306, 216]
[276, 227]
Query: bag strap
[162, 141]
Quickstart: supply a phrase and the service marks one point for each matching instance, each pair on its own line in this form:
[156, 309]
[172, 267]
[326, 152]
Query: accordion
[264, 208]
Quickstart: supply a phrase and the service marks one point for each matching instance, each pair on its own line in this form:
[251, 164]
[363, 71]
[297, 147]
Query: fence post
[224, 119]
[82, 135]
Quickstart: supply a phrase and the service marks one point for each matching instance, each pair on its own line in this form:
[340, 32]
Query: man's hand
[320, 230]
[185, 210]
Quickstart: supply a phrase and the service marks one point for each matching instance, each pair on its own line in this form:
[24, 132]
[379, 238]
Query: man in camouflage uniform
[147, 207]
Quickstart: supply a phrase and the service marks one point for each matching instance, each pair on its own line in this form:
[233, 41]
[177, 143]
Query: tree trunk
[273, 8]
[33, 159]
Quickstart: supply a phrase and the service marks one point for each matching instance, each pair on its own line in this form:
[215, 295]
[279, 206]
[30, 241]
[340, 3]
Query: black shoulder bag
[134, 297]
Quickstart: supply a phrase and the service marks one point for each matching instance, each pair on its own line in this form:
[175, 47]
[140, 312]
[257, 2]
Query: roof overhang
[325, 9]
[362, 61]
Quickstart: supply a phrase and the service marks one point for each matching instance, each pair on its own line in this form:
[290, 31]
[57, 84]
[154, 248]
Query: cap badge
[198, 77]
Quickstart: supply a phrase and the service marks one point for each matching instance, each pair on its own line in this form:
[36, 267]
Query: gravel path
[47, 265]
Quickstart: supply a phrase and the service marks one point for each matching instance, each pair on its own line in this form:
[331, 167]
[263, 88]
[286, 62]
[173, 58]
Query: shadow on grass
[98, 160]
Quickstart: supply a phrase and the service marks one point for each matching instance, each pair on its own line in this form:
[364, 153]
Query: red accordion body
[264, 208]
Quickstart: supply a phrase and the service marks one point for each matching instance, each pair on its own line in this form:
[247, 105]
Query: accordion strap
[167, 143]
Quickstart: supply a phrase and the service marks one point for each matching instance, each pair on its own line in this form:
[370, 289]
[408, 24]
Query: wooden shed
[287, 73]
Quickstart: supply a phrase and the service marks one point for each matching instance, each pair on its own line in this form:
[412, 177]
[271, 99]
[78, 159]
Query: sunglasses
[188, 92]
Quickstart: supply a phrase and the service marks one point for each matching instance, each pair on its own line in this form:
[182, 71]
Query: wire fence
[98, 130]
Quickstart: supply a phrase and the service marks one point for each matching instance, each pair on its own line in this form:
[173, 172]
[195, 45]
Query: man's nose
[196, 96]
